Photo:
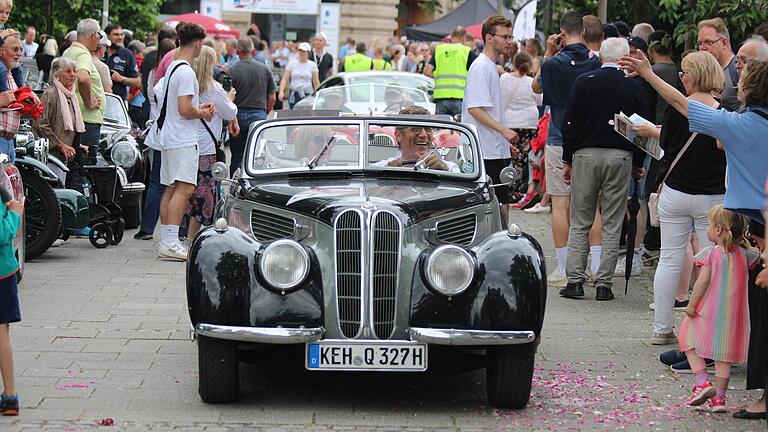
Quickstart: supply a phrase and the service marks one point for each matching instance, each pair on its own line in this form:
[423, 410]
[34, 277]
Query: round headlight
[124, 154]
[450, 270]
[284, 264]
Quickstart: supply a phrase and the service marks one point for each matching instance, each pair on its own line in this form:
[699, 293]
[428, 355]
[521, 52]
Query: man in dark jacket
[598, 163]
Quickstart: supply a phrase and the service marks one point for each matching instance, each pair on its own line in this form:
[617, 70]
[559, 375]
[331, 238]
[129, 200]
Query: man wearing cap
[322, 58]
[90, 92]
[449, 68]
[358, 61]
[122, 62]
[106, 79]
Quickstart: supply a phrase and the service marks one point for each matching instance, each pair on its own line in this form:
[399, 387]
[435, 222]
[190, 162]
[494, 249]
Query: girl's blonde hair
[733, 224]
[203, 67]
[6, 4]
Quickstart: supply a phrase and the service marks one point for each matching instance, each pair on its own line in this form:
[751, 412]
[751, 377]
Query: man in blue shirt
[121, 62]
[567, 57]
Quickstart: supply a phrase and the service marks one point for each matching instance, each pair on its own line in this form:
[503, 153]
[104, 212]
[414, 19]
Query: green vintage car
[375, 244]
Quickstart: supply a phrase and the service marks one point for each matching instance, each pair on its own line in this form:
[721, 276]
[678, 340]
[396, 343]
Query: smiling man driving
[415, 144]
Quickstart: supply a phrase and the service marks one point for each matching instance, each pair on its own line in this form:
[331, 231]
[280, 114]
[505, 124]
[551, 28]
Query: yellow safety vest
[381, 64]
[357, 62]
[450, 71]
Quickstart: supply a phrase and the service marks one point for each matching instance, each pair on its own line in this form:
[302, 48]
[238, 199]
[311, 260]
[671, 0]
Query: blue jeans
[451, 107]
[17, 74]
[7, 147]
[91, 138]
[245, 118]
[154, 195]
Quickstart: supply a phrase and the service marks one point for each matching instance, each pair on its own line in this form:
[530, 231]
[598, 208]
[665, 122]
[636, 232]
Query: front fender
[32, 164]
[507, 293]
[223, 286]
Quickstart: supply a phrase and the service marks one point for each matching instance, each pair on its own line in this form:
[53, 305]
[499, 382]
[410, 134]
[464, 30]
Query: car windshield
[371, 99]
[392, 145]
[405, 80]
[115, 111]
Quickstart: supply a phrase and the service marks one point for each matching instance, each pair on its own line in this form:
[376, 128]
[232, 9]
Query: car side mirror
[508, 175]
[219, 171]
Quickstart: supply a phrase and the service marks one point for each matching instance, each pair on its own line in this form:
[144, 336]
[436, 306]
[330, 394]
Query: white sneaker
[57, 243]
[637, 267]
[557, 279]
[172, 250]
[538, 208]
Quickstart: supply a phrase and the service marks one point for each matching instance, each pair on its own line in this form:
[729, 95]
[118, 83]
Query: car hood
[412, 200]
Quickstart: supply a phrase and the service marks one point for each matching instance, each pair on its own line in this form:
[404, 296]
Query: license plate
[368, 355]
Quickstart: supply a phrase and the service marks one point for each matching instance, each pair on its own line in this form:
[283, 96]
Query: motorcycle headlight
[450, 270]
[124, 154]
[284, 264]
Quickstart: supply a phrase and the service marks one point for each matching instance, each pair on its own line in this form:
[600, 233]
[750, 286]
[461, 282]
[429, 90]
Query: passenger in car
[310, 140]
[415, 144]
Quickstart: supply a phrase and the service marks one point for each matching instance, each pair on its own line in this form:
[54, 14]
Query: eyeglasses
[505, 36]
[416, 130]
[707, 43]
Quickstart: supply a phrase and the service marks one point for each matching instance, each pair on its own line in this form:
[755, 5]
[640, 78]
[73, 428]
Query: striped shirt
[10, 120]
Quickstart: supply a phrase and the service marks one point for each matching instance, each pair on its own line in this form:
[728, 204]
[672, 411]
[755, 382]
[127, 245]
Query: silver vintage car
[374, 244]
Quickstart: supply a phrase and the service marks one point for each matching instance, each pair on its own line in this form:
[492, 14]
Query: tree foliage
[139, 16]
[741, 16]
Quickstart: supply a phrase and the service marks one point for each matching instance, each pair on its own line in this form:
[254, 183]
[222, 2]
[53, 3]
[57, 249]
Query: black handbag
[217, 144]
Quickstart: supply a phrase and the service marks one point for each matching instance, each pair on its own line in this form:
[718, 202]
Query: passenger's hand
[567, 173]
[434, 161]
[762, 278]
[234, 128]
[7, 98]
[691, 310]
[638, 173]
[14, 206]
[645, 129]
[510, 135]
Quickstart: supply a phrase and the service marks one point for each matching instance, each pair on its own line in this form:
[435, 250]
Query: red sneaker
[701, 392]
[526, 201]
[718, 404]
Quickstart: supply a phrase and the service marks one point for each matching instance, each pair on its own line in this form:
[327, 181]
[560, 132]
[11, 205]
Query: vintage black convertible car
[375, 244]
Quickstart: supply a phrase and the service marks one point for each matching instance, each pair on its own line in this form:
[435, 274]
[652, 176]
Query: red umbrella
[212, 26]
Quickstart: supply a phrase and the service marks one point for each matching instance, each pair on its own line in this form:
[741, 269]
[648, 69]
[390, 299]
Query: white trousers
[679, 214]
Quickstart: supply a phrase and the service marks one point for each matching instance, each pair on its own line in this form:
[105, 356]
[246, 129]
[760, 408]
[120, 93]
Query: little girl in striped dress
[717, 322]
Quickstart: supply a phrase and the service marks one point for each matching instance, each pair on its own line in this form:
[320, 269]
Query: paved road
[105, 336]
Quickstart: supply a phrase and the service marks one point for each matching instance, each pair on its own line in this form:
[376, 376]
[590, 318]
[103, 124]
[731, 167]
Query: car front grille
[381, 271]
[460, 230]
[269, 226]
[386, 249]
[349, 256]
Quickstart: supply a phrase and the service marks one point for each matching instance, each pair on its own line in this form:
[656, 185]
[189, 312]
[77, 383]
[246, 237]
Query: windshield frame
[372, 102]
[363, 165]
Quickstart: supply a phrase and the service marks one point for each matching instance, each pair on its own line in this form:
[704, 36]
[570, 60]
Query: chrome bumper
[269, 335]
[470, 337]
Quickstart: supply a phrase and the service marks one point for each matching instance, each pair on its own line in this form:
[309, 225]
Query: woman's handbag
[653, 200]
[217, 144]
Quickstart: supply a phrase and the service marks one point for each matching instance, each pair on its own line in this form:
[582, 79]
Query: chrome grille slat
[386, 252]
[460, 230]
[349, 272]
[268, 227]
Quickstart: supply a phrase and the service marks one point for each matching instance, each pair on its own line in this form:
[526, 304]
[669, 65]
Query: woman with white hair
[62, 121]
[203, 201]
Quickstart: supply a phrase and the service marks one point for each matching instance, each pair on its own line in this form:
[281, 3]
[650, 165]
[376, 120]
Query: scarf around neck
[64, 95]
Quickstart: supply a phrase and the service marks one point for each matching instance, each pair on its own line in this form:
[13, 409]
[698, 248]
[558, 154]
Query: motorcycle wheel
[118, 228]
[42, 214]
[101, 235]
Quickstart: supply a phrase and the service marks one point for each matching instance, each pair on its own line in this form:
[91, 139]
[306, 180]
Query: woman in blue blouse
[744, 137]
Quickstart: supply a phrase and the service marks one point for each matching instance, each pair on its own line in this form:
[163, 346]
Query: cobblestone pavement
[105, 339]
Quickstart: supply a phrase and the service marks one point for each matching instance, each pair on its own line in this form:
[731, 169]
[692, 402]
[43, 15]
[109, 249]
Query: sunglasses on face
[416, 130]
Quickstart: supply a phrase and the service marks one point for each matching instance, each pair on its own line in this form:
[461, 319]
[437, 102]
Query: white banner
[211, 8]
[524, 26]
[328, 23]
[294, 7]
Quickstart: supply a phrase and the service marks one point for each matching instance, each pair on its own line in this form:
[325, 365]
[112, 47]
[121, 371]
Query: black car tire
[509, 375]
[42, 214]
[219, 367]
[132, 216]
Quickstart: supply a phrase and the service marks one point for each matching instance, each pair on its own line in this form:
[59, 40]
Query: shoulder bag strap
[210, 132]
[762, 114]
[164, 109]
[677, 158]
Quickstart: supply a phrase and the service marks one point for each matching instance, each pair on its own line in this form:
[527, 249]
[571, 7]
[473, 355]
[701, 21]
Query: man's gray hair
[61, 63]
[642, 30]
[761, 44]
[612, 49]
[87, 27]
[245, 44]
[231, 42]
